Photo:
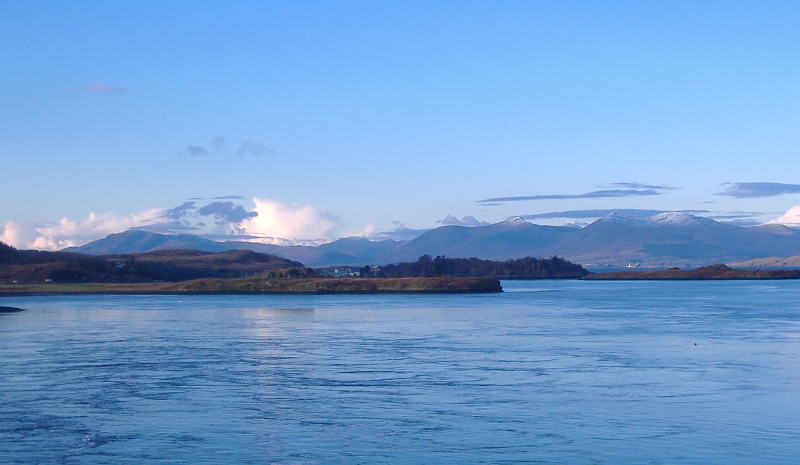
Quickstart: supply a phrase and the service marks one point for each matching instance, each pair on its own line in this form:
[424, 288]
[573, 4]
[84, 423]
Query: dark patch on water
[10, 310]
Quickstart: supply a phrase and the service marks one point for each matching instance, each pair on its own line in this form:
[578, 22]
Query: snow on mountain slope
[674, 218]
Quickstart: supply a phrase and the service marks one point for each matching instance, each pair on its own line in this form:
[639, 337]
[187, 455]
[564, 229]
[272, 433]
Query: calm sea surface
[547, 372]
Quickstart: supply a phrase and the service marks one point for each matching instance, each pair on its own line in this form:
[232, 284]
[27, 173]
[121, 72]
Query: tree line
[521, 268]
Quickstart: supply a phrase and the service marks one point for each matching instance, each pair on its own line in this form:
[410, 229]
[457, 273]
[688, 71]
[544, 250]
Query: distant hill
[661, 240]
[771, 262]
[711, 272]
[162, 265]
[136, 241]
[514, 238]
[347, 251]
[675, 239]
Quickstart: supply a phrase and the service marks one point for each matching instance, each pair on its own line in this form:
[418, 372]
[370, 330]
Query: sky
[306, 121]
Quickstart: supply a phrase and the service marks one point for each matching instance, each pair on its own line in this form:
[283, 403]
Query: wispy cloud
[179, 212]
[199, 214]
[400, 232]
[226, 212]
[220, 144]
[638, 185]
[196, 151]
[251, 149]
[451, 220]
[609, 193]
[219, 147]
[750, 190]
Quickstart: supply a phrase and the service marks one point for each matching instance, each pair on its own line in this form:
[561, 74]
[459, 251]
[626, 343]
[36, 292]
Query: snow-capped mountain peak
[673, 218]
[621, 218]
[666, 218]
[514, 221]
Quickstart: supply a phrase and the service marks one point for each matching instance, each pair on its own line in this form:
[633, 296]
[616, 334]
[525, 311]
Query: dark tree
[523, 268]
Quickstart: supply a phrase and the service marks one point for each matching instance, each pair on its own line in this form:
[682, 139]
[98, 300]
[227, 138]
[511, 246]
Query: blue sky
[308, 121]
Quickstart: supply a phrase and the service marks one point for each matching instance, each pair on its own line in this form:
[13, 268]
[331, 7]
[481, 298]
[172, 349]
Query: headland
[261, 285]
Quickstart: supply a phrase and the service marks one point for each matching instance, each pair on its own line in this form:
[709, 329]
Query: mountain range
[616, 240]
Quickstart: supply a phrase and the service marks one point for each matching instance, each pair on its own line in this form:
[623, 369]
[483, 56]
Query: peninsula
[30, 272]
[267, 285]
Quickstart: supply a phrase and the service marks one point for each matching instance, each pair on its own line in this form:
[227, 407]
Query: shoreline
[708, 273]
[252, 286]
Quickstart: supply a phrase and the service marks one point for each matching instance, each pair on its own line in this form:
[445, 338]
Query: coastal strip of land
[269, 286]
[712, 272]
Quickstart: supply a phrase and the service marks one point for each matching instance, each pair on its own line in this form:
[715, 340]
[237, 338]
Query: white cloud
[369, 230]
[269, 221]
[70, 233]
[294, 222]
[790, 218]
[275, 222]
[17, 235]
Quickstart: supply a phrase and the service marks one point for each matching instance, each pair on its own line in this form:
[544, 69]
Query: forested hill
[31, 266]
[522, 268]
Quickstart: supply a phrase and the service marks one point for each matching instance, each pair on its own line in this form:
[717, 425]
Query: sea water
[546, 372]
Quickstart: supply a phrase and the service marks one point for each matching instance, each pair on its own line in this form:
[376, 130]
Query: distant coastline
[712, 272]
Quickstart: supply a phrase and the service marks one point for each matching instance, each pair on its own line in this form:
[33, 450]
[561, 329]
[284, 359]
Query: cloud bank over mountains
[451, 220]
[276, 220]
[790, 218]
[69, 233]
[271, 221]
[268, 221]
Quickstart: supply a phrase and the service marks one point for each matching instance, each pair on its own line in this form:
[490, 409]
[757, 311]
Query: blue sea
[548, 372]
